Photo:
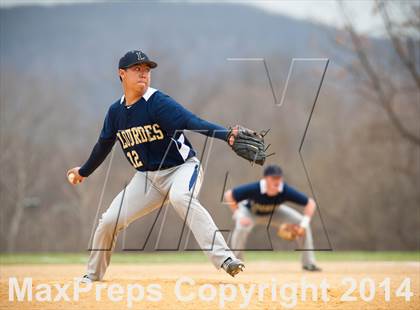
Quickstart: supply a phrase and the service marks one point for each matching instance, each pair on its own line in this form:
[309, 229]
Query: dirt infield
[165, 277]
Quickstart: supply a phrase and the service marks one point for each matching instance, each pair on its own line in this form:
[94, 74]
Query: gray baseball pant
[282, 214]
[180, 186]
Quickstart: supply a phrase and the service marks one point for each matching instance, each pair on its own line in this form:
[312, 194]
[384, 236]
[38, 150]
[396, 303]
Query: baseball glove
[290, 232]
[248, 144]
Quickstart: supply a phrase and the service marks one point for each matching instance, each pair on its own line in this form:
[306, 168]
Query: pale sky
[327, 12]
[322, 11]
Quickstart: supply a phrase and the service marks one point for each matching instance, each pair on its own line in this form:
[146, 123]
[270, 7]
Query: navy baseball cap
[273, 170]
[135, 57]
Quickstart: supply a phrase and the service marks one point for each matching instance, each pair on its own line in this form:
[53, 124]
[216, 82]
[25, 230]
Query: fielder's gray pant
[282, 214]
[177, 185]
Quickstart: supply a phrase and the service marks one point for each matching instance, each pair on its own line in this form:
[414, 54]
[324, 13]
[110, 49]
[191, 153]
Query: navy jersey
[150, 132]
[260, 203]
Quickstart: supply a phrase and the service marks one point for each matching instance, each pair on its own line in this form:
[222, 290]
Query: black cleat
[312, 267]
[85, 279]
[233, 266]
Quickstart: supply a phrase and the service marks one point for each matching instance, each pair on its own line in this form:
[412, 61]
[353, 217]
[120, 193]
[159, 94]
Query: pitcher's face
[136, 77]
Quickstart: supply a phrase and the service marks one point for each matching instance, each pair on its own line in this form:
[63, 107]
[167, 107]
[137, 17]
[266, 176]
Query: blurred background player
[254, 203]
[149, 126]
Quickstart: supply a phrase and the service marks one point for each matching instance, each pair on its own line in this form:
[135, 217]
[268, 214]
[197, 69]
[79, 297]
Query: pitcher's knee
[108, 223]
[180, 198]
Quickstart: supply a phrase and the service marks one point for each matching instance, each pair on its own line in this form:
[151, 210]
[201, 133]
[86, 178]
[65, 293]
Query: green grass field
[188, 257]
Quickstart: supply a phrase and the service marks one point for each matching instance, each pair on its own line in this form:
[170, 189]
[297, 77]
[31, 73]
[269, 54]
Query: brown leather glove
[290, 232]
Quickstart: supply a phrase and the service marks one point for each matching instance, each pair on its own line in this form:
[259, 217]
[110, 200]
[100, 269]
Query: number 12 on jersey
[134, 159]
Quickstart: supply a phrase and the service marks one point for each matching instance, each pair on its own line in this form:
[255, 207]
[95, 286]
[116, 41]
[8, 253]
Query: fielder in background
[257, 202]
[149, 126]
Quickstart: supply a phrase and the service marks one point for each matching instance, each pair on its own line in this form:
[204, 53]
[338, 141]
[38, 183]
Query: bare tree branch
[397, 44]
[385, 99]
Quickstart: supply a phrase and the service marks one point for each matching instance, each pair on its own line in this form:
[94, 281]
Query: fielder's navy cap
[135, 57]
[273, 170]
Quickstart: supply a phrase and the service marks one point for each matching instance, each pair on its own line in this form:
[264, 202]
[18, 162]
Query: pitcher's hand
[74, 177]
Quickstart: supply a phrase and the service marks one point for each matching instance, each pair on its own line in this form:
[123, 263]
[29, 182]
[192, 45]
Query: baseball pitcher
[257, 202]
[148, 125]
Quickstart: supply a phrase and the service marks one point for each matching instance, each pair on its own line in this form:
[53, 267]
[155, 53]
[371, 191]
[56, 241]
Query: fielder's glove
[248, 144]
[290, 232]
